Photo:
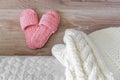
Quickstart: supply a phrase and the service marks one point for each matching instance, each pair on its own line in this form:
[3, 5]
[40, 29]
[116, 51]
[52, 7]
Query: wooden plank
[85, 16]
[48, 4]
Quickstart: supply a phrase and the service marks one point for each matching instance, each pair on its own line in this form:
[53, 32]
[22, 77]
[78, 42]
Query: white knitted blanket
[30, 68]
[81, 58]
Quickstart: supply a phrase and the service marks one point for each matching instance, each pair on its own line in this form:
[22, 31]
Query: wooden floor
[85, 15]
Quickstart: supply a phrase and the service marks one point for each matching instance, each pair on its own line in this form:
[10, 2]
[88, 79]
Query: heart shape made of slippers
[37, 32]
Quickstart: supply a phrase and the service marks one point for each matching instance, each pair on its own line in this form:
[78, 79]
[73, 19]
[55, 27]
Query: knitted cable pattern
[79, 58]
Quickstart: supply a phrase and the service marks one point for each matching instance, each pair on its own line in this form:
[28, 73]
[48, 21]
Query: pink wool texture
[38, 33]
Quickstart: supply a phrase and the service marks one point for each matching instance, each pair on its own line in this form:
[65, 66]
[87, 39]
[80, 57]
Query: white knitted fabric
[81, 58]
[30, 68]
[108, 42]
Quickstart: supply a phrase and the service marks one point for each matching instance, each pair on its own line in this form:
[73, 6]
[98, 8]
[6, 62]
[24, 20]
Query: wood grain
[79, 14]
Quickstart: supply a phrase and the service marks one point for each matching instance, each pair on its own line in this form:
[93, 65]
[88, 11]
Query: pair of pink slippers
[37, 32]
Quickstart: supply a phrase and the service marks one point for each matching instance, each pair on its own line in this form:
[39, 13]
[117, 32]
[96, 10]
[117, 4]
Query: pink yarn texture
[38, 33]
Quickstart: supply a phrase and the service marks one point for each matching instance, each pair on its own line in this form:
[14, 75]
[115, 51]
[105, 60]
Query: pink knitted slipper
[47, 26]
[29, 23]
[38, 34]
